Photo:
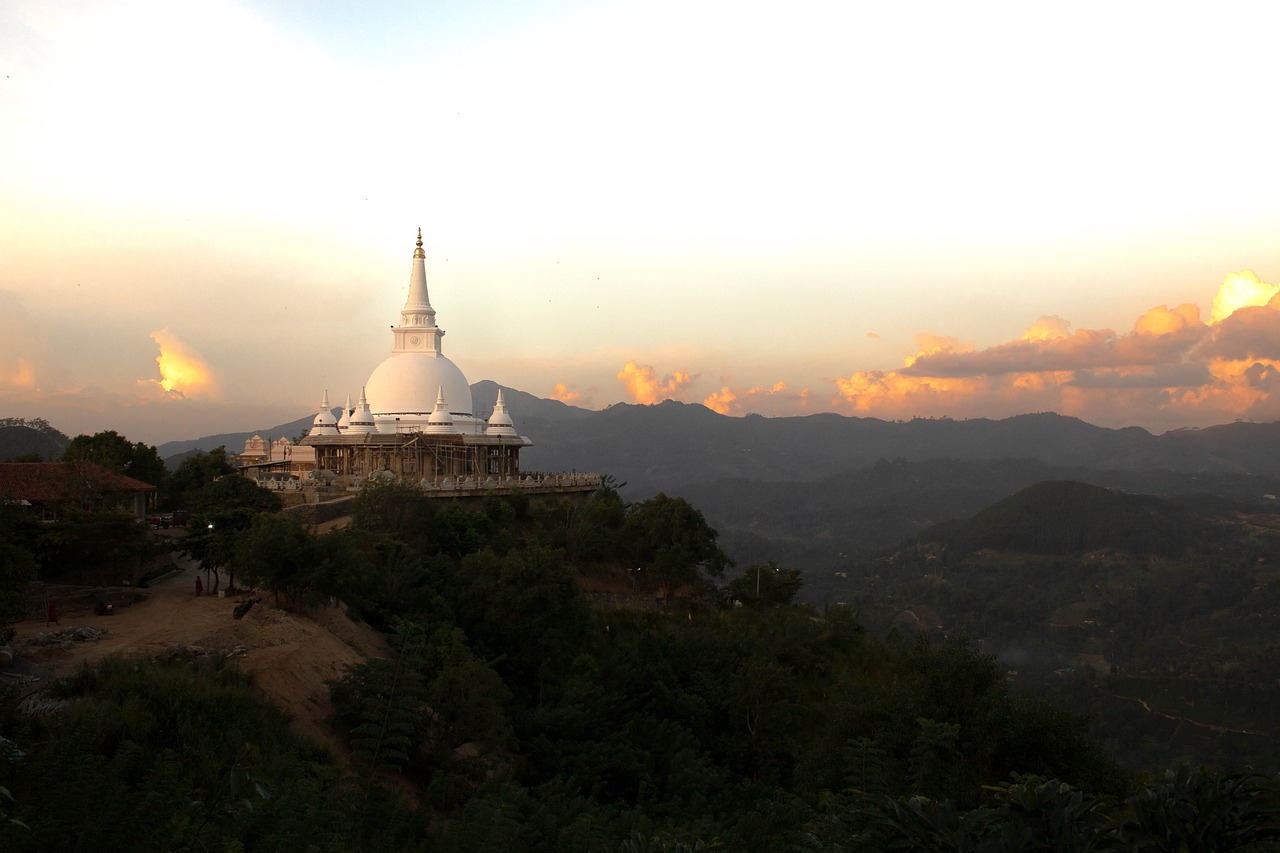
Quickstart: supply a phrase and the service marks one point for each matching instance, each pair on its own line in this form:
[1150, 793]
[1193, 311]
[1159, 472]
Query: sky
[892, 210]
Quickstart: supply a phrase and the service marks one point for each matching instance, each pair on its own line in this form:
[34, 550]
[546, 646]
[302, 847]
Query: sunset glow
[644, 385]
[1241, 290]
[183, 373]
[764, 221]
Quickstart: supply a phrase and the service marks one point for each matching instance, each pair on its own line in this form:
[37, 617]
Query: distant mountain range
[807, 490]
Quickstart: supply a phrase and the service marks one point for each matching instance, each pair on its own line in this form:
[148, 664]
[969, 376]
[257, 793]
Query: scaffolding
[419, 456]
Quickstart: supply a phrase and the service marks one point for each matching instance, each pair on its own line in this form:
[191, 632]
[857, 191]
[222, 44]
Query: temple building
[279, 460]
[415, 419]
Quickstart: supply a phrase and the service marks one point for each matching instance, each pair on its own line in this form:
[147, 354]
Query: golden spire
[418, 253]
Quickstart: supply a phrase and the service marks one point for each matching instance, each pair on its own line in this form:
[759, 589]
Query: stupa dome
[409, 380]
[407, 383]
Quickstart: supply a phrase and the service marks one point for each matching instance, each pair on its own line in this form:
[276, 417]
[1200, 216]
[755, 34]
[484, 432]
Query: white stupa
[403, 389]
[416, 418]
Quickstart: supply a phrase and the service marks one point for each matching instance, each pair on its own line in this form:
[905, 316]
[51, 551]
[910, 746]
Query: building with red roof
[47, 487]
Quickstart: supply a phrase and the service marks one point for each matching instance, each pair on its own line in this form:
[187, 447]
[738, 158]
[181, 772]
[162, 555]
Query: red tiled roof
[41, 482]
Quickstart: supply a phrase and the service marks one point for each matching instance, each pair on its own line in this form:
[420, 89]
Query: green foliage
[230, 493]
[30, 440]
[1172, 655]
[411, 711]
[18, 562]
[672, 541]
[523, 610]
[112, 450]
[197, 471]
[97, 546]
[765, 584]
[1201, 810]
[179, 757]
[590, 531]
[1065, 517]
[390, 696]
[275, 552]
[524, 719]
[224, 511]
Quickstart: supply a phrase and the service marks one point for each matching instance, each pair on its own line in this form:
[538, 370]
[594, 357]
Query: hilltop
[30, 438]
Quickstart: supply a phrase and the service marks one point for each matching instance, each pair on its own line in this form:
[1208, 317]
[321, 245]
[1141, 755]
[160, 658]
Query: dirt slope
[291, 656]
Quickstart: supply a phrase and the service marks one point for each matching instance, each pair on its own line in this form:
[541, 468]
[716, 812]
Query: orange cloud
[772, 401]
[1047, 329]
[18, 344]
[721, 401]
[562, 393]
[1172, 368]
[18, 375]
[183, 372]
[644, 386]
[1241, 290]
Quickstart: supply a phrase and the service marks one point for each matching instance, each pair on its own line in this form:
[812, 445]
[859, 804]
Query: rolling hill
[812, 491]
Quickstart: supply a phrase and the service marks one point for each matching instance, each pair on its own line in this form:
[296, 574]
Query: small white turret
[325, 423]
[362, 418]
[440, 422]
[344, 422]
[500, 422]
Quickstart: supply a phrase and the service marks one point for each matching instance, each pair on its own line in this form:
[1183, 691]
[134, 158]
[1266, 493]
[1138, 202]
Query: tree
[112, 450]
[93, 545]
[221, 511]
[525, 607]
[275, 552]
[465, 695]
[198, 470]
[673, 542]
[381, 702]
[18, 565]
[767, 583]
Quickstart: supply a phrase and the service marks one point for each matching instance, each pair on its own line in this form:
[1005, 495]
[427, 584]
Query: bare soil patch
[291, 656]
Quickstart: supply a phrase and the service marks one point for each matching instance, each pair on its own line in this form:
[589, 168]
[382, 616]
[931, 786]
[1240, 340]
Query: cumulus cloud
[183, 372]
[1241, 290]
[1187, 375]
[1171, 366]
[1249, 332]
[772, 400]
[563, 393]
[644, 386]
[1049, 345]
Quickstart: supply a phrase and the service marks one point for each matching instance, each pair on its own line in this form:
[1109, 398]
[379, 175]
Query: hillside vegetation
[512, 715]
[24, 440]
[1064, 517]
[1159, 619]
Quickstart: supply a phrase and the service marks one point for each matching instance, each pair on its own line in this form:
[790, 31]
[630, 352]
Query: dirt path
[291, 656]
